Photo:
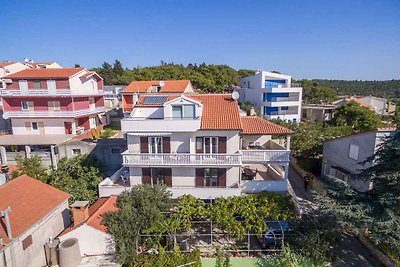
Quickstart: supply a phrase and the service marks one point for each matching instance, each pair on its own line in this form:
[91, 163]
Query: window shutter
[27, 126]
[168, 177]
[166, 144]
[146, 176]
[144, 145]
[221, 177]
[199, 145]
[199, 177]
[27, 242]
[222, 144]
[30, 104]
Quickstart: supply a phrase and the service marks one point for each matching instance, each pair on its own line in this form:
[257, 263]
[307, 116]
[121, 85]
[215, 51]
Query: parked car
[277, 231]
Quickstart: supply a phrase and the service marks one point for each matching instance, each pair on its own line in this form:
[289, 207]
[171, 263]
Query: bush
[166, 259]
[106, 133]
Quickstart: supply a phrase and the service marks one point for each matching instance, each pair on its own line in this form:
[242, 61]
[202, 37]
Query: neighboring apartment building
[49, 101]
[199, 144]
[32, 212]
[274, 94]
[130, 95]
[317, 112]
[381, 106]
[43, 65]
[344, 156]
[112, 96]
[88, 228]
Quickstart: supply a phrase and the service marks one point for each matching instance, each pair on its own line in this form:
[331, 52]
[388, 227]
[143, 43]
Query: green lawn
[236, 262]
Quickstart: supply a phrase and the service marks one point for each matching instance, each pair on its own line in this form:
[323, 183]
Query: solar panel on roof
[155, 100]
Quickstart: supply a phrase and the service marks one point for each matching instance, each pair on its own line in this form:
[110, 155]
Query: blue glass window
[272, 97]
[284, 108]
[274, 83]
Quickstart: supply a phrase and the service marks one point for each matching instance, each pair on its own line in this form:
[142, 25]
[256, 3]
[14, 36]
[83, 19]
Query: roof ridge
[100, 208]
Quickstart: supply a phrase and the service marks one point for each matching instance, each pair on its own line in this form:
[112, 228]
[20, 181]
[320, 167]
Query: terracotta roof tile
[170, 86]
[44, 73]
[30, 200]
[258, 125]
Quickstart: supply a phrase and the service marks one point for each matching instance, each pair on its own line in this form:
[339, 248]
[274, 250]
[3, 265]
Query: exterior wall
[60, 83]
[316, 114]
[181, 101]
[10, 69]
[91, 241]
[50, 226]
[82, 85]
[39, 104]
[149, 113]
[262, 139]
[51, 126]
[378, 104]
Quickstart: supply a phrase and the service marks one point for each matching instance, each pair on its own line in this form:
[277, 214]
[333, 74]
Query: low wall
[315, 183]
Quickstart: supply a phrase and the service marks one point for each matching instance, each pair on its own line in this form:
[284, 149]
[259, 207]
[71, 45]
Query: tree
[138, 210]
[314, 93]
[360, 118]
[377, 210]
[30, 166]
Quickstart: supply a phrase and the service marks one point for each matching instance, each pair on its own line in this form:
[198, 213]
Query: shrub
[166, 259]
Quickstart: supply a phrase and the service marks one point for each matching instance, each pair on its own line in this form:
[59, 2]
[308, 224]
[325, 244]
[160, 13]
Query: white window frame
[27, 105]
[354, 151]
[37, 126]
[156, 148]
[52, 105]
[191, 116]
[212, 140]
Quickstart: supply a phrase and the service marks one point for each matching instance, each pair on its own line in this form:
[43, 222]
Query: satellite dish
[5, 115]
[3, 179]
[235, 95]
[162, 83]
[26, 60]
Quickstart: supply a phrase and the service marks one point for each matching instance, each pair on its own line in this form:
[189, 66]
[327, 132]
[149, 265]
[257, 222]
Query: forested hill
[390, 88]
[219, 78]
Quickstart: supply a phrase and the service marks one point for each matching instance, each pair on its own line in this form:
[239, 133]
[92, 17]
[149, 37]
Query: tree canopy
[314, 93]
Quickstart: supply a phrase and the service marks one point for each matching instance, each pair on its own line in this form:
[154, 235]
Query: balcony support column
[286, 168]
[28, 153]
[3, 155]
[288, 142]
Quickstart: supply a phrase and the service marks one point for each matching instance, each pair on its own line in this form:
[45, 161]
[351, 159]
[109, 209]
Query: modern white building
[199, 144]
[274, 94]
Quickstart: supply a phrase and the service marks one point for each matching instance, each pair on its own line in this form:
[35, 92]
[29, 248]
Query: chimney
[253, 112]
[80, 212]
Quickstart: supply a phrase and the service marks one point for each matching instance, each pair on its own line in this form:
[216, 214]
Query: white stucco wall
[91, 240]
[262, 139]
[13, 68]
[82, 85]
[51, 126]
[50, 226]
[147, 112]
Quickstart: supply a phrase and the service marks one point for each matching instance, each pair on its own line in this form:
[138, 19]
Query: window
[51, 85]
[210, 145]
[27, 242]
[36, 84]
[34, 126]
[25, 105]
[155, 145]
[157, 176]
[211, 177]
[54, 105]
[23, 85]
[353, 152]
[183, 112]
[76, 151]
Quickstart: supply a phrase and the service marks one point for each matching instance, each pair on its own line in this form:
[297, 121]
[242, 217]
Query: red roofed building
[88, 228]
[53, 101]
[36, 211]
[199, 144]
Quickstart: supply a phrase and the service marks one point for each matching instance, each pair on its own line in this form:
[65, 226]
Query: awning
[148, 134]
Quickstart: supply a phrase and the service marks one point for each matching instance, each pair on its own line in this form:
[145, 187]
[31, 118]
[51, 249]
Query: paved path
[350, 252]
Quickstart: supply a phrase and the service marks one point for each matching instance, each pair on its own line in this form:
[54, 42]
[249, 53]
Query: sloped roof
[170, 86]
[141, 102]
[30, 200]
[258, 125]
[44, 73]
[5, 64]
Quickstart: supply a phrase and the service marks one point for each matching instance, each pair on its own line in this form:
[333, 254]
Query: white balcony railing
[52, 114]
[190, 160]
[46, 92]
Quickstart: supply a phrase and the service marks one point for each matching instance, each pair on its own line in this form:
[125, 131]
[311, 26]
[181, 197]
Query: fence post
[3, 155]
[248, 244]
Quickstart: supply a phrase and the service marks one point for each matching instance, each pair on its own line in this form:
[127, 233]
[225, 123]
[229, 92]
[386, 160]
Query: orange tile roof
[170, 86]
[258, 125]
[5, 64]
[44, 73]
[30, 200]
[220, 112]
[96, 213]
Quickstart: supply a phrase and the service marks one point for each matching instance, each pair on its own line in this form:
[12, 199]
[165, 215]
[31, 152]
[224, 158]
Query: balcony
[46, 92]
[137, 124]
[210, 160]
[52, 114]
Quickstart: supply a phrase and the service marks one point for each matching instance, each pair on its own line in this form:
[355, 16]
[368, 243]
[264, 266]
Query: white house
[31, 213]
[88, 228]
[199, 144]
[274, 94]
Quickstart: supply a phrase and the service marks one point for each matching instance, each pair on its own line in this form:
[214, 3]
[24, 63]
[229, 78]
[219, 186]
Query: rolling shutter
[222, 145]
[199, 177]
[146, 176]
[221, 177]
[144, 145]
[168, 177]
[166, 144]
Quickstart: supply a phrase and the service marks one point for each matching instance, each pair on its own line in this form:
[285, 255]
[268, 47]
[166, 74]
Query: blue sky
[341, 39]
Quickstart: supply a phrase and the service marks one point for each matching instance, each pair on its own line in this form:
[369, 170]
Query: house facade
[274, 94]
[317, 112]
[47, 101]
[200, 145]
[31, 213]
[345, 156]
